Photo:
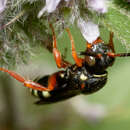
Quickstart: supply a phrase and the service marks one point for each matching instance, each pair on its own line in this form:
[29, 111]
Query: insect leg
[118, 55]
[14, 75]
[50, 85]
[27, 83]
[111, 44]
[77, 60]
[57, 55]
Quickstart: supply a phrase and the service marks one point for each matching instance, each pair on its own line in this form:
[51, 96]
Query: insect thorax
[86, 81]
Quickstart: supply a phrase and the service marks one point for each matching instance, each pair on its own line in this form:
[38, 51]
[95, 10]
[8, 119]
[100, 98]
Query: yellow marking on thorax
[100, 75]
[83, 77]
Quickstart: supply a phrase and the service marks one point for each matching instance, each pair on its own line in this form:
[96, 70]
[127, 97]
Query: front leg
[111, 44]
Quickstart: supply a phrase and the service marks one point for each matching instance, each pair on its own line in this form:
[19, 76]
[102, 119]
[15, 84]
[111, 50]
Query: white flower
[49, 7]
[98, 5]
[2, 5]
[89, 30]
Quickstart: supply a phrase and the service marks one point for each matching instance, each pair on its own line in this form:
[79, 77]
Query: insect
[86, 76]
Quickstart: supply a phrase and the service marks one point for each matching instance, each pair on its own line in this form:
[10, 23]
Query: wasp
[87, 75]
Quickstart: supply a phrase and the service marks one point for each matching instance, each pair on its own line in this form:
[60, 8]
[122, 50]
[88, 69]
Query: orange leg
[29, 83]
[111, 45]
[77, 60]
[59, 61]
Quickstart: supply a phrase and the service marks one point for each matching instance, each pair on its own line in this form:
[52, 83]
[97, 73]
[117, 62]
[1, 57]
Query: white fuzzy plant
[24, 23]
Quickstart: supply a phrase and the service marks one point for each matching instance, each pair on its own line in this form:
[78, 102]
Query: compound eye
[90, 60]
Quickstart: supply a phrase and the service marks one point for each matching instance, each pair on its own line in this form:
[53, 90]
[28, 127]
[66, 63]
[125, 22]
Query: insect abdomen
[40, 94]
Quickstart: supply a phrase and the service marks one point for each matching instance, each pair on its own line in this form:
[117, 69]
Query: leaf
[117, 20]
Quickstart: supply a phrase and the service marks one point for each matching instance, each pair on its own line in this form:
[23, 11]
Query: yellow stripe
[100, 75]
[46, 94]
[35, 92]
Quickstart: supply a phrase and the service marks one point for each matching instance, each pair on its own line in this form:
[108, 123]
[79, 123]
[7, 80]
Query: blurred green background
[18, 111]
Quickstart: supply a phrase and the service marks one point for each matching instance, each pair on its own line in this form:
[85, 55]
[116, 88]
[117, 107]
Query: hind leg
[32, 84]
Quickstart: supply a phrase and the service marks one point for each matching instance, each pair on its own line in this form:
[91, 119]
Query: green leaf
[117, 20]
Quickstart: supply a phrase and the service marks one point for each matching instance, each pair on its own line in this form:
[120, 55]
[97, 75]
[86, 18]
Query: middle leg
[77, 60]
[57, 55]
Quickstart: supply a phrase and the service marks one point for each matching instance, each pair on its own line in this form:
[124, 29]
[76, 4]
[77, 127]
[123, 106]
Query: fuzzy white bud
[49, 7]
[94, 112]
[89, 30]
[2, 5]
[128, 1]
[98, 5]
